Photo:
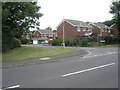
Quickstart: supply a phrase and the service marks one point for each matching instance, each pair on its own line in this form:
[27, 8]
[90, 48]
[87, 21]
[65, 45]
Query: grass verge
[110, 45]
[26, 53]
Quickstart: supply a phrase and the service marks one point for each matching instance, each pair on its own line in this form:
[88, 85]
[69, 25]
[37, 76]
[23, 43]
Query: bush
[67, 43]
[24, 41]
[84, 43]
[110, 39]
[16, 43]
[10, 43]
[56, 42]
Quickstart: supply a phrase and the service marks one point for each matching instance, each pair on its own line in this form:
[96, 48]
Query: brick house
[114, 30]
[73, 29]
[43, 36]
[102, 29]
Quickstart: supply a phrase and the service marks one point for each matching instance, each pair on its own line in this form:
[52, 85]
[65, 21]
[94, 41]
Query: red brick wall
[106, 34]
[69, 31]
[95, 28]
[101, 33]
[37, 34]
[114, 31]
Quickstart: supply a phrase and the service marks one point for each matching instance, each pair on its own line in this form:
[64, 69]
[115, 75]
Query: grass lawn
[46, 44]
[26, 53]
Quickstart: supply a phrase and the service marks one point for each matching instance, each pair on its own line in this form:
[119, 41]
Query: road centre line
[16, 86]
[90, 69]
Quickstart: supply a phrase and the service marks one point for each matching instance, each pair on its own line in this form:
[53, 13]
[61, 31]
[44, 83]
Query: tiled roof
[44, 31]
[100, 25]
[75, 23]
[78, 23]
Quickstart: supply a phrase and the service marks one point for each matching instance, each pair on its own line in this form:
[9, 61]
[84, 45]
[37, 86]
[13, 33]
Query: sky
[54, 11]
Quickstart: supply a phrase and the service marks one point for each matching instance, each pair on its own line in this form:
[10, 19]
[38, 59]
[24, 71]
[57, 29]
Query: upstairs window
[78, 29]
[51, 35]
[44, 35]
[85, 29]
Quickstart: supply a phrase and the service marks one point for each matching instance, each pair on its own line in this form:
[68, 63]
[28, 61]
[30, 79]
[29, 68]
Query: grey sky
[85, 10]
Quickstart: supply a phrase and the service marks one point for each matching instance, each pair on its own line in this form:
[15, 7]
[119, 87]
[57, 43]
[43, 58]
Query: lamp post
[63, 34]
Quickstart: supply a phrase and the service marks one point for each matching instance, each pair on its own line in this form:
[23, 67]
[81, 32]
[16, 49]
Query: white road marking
[16, 86]
[44, 58]
[95, 55]
[89, 53]
[90, 69]
[107, 53]
[101, 55]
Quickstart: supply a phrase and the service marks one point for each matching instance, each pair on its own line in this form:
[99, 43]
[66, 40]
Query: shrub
[110, 39]
[16, 43]
[67, 43]
[24, 41]
[84, 43]
[56, 42]
[11, 43]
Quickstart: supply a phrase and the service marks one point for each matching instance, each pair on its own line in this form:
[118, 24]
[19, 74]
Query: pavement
[78, 53]
[98, 69]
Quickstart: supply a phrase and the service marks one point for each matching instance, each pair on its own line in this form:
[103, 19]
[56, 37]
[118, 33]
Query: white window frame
[78, 29]
[84, 28]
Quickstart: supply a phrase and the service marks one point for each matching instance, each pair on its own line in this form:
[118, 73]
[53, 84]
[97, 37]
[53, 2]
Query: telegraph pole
[63, 34]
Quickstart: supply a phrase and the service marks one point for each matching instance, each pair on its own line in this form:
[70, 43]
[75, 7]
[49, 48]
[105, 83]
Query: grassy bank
[26, 53]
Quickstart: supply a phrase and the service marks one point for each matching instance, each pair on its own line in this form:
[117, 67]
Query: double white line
[90, 69]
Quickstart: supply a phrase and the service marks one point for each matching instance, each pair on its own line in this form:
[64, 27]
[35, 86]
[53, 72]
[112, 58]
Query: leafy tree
[115, 10]
[17, 18]
[54, 30]
[49, 28]
[109, 22]
[95, 32]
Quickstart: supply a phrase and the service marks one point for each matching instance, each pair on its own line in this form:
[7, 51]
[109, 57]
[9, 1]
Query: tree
[49, 28]
[17, 18]
[54, 30]
[109, 22]
[115, 10]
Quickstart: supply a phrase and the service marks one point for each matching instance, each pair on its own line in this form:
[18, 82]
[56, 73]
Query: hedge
[10, 44]
[87, 41]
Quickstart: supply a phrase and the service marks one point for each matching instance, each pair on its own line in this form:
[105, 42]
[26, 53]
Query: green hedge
[110, 39]
[16, 43]
[88, 41]
[56, 42]
[10, 44]
[24, 41]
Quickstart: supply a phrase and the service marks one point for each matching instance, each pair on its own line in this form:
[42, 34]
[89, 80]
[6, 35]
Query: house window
[78, 29]
[50, 35]
[85, 29]
[89, 29]
[44, 35]
[109, 30]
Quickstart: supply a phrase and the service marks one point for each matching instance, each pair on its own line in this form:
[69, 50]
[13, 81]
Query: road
[99, 69]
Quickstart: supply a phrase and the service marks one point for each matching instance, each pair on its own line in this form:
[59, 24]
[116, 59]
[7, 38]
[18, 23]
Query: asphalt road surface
[98, 69]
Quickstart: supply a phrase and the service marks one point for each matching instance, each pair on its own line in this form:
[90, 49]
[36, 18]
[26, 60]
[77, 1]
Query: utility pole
[63, 34]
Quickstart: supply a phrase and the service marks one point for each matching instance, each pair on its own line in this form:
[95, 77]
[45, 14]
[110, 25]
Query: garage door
[39, 41]
[35, 42]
